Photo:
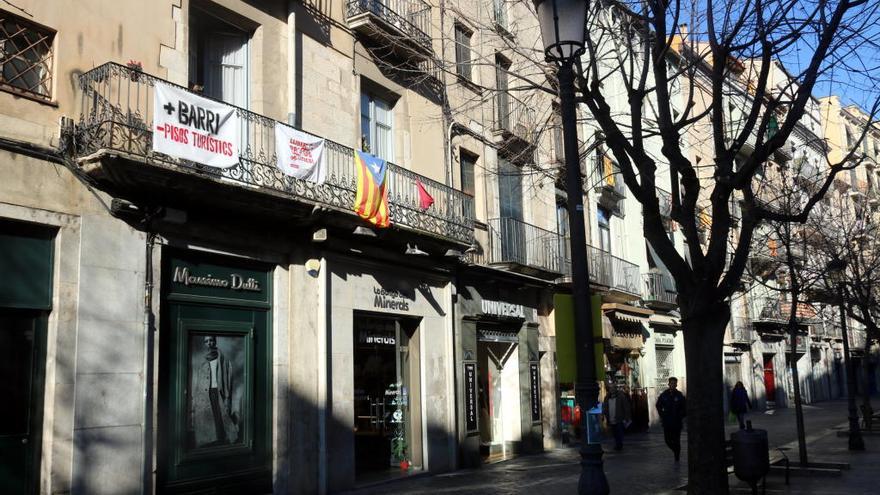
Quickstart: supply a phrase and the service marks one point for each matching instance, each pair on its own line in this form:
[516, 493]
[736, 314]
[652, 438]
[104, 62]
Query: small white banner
[194, 128]
[299, 154]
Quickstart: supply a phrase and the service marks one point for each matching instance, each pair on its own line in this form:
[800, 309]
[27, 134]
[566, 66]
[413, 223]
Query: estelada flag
[425, 199]
[371, 198]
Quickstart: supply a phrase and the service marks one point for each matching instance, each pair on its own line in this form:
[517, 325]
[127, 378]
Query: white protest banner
[194, 128]
[299, 154]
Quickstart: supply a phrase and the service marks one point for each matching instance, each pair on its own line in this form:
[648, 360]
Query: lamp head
[835, 269]
[563, 28]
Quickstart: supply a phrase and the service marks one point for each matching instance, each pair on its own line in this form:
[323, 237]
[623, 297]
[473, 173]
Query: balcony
[617, 278]
[524, 248]
[515, 124]
[665, 199]
[857, 339]
[767, 310]
[402, 25]
[770, 314]
[608, 183]
[740, 331]
[658, 291]
[113, 144]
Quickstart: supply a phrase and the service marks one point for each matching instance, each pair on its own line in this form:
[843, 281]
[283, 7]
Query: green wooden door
[22, 361]
[26, 258]
[215, 395]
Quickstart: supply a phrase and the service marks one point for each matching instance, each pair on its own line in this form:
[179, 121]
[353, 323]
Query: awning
[664, 320]
[627, 330]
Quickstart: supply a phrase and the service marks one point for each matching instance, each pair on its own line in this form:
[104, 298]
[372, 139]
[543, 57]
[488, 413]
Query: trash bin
[751, 454]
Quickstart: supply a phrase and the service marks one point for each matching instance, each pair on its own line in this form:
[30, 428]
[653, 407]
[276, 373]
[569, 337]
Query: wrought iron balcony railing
[740, 330]
[665, 199]
[657, 290]
[607, 177]
[513, 241]
[613, 272]
[515, 118]
[401, 21]
[117, 116]
[773, 309]
[767, 309]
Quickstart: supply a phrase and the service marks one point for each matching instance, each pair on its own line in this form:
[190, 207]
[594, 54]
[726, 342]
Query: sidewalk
[645, 465]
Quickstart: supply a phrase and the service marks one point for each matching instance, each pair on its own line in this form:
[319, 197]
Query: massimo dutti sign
[192, 273]
[235, 281]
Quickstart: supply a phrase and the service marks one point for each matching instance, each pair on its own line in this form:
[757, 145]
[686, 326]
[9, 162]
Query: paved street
[645, 465]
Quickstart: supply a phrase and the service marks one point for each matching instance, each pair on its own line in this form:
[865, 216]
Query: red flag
[425, 199]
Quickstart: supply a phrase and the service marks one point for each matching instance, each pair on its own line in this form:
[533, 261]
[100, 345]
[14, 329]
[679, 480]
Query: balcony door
[511, 227]
[226, 67]
[219, 68]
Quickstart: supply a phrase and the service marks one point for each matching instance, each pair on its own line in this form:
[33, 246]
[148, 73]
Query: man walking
[618, 413]
[740, 403]
[672, 409]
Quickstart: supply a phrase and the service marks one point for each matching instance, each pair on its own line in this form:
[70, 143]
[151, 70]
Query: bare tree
[727, 58]
[851, 232]
[796, 266]
[656, 91]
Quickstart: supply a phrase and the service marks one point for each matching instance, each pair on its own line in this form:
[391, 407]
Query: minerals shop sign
[390, 299]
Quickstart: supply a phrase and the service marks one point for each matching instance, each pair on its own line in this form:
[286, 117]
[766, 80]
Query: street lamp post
[563, 25]
[835, 270]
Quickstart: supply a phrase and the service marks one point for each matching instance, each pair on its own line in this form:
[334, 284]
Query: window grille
[25, 57]
[664, 365]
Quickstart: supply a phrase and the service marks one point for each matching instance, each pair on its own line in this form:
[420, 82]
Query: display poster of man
[215, 390]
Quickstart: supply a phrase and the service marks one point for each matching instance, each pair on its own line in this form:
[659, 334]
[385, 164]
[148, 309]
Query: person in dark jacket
[740, 403]
[618, 413]
[672, 408]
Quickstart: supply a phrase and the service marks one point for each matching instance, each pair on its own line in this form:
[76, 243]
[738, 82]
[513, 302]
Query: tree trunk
[796, 383]
[867, 410]
[703, 345]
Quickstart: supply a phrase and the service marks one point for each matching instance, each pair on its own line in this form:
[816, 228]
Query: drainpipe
[291, 64]
[147, 470]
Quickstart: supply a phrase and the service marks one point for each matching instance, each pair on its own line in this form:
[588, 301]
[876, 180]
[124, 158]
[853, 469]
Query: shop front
[667, 357]
[215, 374]
[625, 329]
[389, 373]
[500, 389]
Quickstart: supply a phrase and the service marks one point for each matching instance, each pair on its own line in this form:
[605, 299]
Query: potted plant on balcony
[136, 69]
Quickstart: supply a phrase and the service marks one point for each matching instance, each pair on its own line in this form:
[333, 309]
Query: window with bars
[463, 51]
[25, 57]
[664, 365]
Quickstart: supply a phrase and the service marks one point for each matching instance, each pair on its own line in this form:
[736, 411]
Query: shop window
[377, 126]
[463, 51]
[387, 388]
[26, 57]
